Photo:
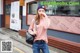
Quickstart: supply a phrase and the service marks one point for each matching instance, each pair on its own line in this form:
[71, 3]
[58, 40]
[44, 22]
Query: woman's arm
[30, 30]
[46, 22]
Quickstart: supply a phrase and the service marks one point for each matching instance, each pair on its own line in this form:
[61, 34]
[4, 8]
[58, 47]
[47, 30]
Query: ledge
[63, 44]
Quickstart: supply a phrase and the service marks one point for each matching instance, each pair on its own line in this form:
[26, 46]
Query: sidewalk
[20, 43]
[18, 47]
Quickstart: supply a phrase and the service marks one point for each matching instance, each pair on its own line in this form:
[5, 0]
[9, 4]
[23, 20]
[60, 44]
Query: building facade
[65, 22]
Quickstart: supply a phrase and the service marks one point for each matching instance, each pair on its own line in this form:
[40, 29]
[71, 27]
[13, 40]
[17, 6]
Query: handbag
[30, 38]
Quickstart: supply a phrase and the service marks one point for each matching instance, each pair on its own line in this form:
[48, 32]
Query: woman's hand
[35, 32]
[46, 21]
[32, 32]
[43, 14]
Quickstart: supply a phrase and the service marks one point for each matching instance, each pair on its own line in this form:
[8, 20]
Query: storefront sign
[15, 22]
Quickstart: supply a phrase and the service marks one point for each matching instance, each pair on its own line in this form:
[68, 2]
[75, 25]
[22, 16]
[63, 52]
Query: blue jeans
[40, 45]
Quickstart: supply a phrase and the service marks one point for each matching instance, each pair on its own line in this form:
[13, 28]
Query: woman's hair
[37, 18]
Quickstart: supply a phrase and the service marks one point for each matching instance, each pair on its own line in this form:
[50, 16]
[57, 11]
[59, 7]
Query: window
[7, 9]
[32, 8]
[65, 10]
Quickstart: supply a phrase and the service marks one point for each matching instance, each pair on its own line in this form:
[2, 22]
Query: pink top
[41, 29]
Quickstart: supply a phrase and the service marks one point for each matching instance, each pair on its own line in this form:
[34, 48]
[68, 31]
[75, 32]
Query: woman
[39, 26]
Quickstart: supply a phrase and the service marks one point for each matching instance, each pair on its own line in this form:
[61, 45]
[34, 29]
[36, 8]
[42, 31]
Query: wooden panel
[7, 21]
[9, 1]
[71, 47]
[65, 45]
[27, 13]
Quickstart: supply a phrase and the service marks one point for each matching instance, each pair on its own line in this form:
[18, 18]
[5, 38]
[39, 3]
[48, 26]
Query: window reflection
[68, 10]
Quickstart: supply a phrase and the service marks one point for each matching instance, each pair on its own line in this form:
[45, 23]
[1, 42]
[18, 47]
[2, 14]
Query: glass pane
[68, 7]
[33, 8]
[7, 9]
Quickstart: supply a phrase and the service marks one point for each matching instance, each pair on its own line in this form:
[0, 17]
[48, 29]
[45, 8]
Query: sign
[15, 21]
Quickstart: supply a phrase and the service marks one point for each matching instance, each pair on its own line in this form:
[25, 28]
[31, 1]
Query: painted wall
[1, 11]
[24, 7]
[0, 21]
[1, 7]
[24, 25]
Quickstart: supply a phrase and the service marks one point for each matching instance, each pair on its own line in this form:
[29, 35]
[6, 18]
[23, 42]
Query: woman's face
[41, 11]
